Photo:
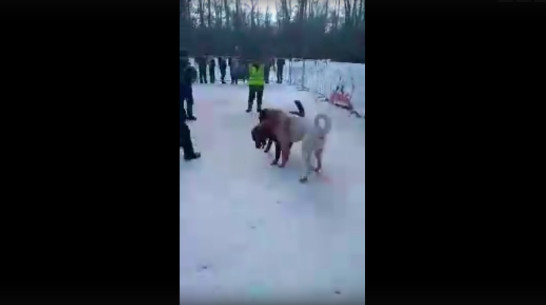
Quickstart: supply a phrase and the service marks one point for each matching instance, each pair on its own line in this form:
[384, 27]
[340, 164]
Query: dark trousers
[279, 74]
[185, 139]
[186, 95]
[212, 75]
[266, 75]
[202, 75]
[252, 93]
[223, 74]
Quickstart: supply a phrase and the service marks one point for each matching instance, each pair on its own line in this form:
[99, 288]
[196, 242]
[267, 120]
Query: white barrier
[342, 84]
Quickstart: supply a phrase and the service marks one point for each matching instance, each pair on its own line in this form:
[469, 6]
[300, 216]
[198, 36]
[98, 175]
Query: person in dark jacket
[212, 68]
[202, 64]
[243, 70]
[187, 77]
[269, 63]
[222, 64]
[233, 69]
[280, 66]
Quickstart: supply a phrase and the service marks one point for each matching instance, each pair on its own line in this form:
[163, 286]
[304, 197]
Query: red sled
[341, 99]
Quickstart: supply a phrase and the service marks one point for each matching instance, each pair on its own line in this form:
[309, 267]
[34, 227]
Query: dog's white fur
[313, 137]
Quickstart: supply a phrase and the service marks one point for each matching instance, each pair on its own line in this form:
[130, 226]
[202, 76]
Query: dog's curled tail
[301, 110]
[327, 123]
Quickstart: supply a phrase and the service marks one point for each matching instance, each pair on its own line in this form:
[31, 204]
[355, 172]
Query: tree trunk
[201, 11]
[209, 15]
[228, 13]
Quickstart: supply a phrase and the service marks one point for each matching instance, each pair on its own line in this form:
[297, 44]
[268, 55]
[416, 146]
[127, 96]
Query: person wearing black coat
[234, 69]
[202, 64]
[187, 77]
[280, 66]
[268, 64]
[222, 64]
[212, 67]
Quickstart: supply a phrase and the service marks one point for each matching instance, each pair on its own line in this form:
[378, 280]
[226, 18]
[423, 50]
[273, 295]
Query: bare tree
[209, 14]
[253, 16]
[228, 13]
[201, 11]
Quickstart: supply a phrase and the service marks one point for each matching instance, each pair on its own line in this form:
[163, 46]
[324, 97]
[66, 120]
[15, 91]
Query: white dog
[313, 137]
[288, 128]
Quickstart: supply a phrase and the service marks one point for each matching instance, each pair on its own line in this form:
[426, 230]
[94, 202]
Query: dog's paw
[281, 165]
[317, 170]
[303, 179]
[274, 163]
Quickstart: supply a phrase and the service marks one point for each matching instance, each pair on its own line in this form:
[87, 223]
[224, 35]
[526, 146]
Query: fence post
[303, 75]
[290, 71]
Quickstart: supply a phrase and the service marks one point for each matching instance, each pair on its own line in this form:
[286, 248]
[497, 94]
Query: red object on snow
[341, 99]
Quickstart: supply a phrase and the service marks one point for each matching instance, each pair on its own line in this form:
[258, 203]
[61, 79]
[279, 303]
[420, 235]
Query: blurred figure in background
[280, 68]
[222, 64]
[202, 64]
[269, 63]
[233, 69]
[212, 68]
[244, 72]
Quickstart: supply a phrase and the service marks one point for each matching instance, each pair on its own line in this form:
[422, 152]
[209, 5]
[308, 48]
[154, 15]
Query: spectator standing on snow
[187, 77]
[255, 85]
[233, 69]
[270, 62]
[202, 64]
[212, 68]
[244, 72]
[222, 64]
[280, 66]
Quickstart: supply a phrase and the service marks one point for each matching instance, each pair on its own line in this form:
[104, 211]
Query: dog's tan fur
[290, 129]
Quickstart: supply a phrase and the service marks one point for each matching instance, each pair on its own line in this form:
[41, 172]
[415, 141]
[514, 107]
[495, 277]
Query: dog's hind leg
[308, 166]
[318, 155]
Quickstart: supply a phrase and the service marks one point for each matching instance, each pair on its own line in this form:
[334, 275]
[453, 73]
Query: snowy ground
[251, 233]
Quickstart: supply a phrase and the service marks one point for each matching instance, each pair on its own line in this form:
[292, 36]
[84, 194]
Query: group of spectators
[238, 68]
[255, 73]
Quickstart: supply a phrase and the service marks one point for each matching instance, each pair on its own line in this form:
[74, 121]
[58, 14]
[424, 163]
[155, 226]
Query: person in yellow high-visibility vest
[255, 85]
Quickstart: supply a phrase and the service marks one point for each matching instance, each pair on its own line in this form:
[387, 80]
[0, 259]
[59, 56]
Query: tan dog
[288, 129]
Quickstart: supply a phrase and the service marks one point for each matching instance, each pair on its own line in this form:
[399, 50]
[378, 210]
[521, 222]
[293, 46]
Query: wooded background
[320, 29]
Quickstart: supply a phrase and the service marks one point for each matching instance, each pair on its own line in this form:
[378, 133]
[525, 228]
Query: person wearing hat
[255, 85]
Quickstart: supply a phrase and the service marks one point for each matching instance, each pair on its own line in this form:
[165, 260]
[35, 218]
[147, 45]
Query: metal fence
[342, 84]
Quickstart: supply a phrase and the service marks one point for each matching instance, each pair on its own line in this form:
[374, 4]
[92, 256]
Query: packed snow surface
[251, 232]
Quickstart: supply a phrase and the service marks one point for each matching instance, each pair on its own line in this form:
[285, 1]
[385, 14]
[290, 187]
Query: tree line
[314, 29]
